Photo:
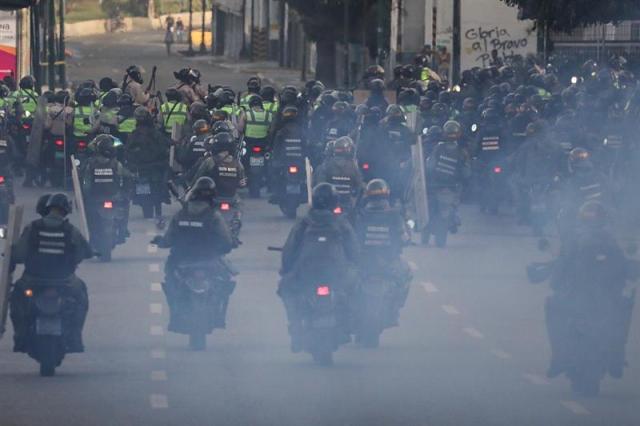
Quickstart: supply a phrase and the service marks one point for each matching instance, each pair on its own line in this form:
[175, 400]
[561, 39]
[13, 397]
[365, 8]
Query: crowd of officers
[576, 137]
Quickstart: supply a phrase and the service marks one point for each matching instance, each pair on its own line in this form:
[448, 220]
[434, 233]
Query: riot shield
[77, 191]
[309, 170]
[419, 187]
[37, 133]
[12, 235]
[176, 136]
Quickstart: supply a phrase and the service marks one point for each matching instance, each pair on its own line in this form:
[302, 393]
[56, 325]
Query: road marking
[429, 287]
[501, 354]
[575, 408]
[535, 379]
[158, 401]
[154, 267]
[156, 287]
[159, 376]
[412, 265]
[451, 310]
[155, 308]
[158, 354]
[152, 248]
[156, 330]
[473, 333]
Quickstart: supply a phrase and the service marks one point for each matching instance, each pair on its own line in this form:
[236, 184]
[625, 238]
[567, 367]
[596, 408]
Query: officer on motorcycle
[397, 170]
[254, 84]
[107, 121]
[321, 245]
[191, 152]
[173, 111]
[84, 114]
[51, 248]
[222, 165]
[126, 117]
[376, 98]
[382, 234]
[288, 147]
[197, 233]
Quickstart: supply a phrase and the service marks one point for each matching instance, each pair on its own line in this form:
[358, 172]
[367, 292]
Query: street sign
[13, 231]
[77, 191]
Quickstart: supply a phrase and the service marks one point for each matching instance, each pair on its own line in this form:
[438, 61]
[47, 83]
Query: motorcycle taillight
[337, 210]
[108, 204]
[293, 169]
[497, 169]
[1, 180]
[365, 166]
[225, 206]
[323, 290]
[257, 149]
[58, 142]
[26, 126]
[82, 145]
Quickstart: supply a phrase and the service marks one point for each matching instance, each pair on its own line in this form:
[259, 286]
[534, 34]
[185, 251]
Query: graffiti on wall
[481, 41]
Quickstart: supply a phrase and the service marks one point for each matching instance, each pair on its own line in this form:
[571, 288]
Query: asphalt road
[471, 348]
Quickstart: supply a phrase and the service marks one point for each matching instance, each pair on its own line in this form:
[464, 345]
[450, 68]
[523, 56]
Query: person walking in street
[168, 39]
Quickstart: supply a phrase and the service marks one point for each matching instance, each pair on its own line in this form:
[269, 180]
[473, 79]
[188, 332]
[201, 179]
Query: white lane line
[473, 333]
[156, 287]
[413, 266]
[158, 401]
[535, 379]
[156, 330]
[576, 408]
[155, 308]
[152, 248]
[451, 310]
[429, 287]
[158, 354]
[501, 354]
[159, 376]
[154, 267]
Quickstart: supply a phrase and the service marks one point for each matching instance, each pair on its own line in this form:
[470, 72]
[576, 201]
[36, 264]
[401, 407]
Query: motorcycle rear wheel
[198, 342]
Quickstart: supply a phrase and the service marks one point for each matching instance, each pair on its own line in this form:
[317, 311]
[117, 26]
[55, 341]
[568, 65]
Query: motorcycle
[372, 309]
[320, 323]
[494, 188]
[444, 218]
[102, 227]
[256, 158]
[143, 195]
[50, 313]
[202, 298]
[230, 210]
[57, 158]
[294, 191]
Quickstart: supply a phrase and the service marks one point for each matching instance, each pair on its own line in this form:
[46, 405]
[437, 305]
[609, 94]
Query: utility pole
[61, 56]
[190, 52]
[346, 43]
[203, 47]
[243, 51]
[51, 47]
[253, 24]
[380, 29]
[457, 43]
[281, 33]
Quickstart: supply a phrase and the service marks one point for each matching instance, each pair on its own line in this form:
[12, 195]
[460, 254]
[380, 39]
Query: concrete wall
[99, 26]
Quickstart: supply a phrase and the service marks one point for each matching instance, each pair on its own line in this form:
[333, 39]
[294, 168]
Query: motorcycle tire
[47, 349]
[586, 384]
[254, 188]
[323, 357]
[198, 342]
[147, 209]
[441, 233]
[290, 211]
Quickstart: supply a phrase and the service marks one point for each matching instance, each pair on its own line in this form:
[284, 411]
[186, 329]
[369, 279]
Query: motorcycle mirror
[543, 244]
[632, 249]
[76, 162]
[411, 224]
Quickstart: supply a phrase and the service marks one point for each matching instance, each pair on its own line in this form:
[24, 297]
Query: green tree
[323, 23]
[566, 15]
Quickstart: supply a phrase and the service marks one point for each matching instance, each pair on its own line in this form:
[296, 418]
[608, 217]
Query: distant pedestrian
[168, 39]
[180, 30]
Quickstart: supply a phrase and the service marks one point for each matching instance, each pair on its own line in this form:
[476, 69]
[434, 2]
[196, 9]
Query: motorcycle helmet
[198, 111]
[204, 189]
[376, 189]
[201, 127]
[579, 160]
[343, 147]
[27, 83]
[324, 197]
[59, 201]
[220, 127]
[452, 130]
[105, 146]
[223, 141]
[173, 95]
[142, 115]
[135, 73]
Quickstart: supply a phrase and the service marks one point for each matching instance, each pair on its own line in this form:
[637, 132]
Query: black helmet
[290, 113]
[183, 75]
[173, 95]
[328, 99]
[439, 109]
[592, 215]
[255, 101]
[125, 100]
[345, 96]
[340, 107]
[452, 130]
[219, 115]
[135, 74]
[579, 160]
[142, 115]
[254, 84]
[408, 71]
[106, 84]
[469, 104]
[289, 95]
[198, 111]
[445, 98]
[375, 71]
[200, 127]
[435, 133]
[490, 115]
[41, 205]
[4, 91]
[268, 93]
[324, 197]
[221, 127]
[223, 141]
[59, 201]
[343, 147]
[27, 82]
[104, 145]
[110, 100]
[204, 189]
[409, 97]
[328, 149]
[377, 188]
[395, 113]
[425, 104]
[86, 96]
[376, 86]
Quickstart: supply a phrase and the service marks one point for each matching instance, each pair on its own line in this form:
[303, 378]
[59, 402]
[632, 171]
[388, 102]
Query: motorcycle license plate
[294, 189]
[46, 326]
[27, 138]
[324, 322]
[256, 161]
[59, 155]
[143, 189]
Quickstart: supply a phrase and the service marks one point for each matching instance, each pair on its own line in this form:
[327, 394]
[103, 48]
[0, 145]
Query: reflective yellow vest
[258, 123]
[82, 116]
[173, 112]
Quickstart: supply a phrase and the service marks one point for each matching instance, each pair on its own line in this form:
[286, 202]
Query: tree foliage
[566, 15]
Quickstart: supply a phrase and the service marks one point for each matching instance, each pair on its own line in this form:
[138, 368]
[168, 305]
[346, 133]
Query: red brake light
[497, 169]
[337, 210]
[323, 290]
[293, 169]
[26, 126]
[365, 166]
[256, 149]
[82, 144]
[59, 142]
[1, 179]
[108, 205]
[225, 206]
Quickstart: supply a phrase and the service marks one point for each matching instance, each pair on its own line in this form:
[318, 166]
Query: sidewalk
[268, 71]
